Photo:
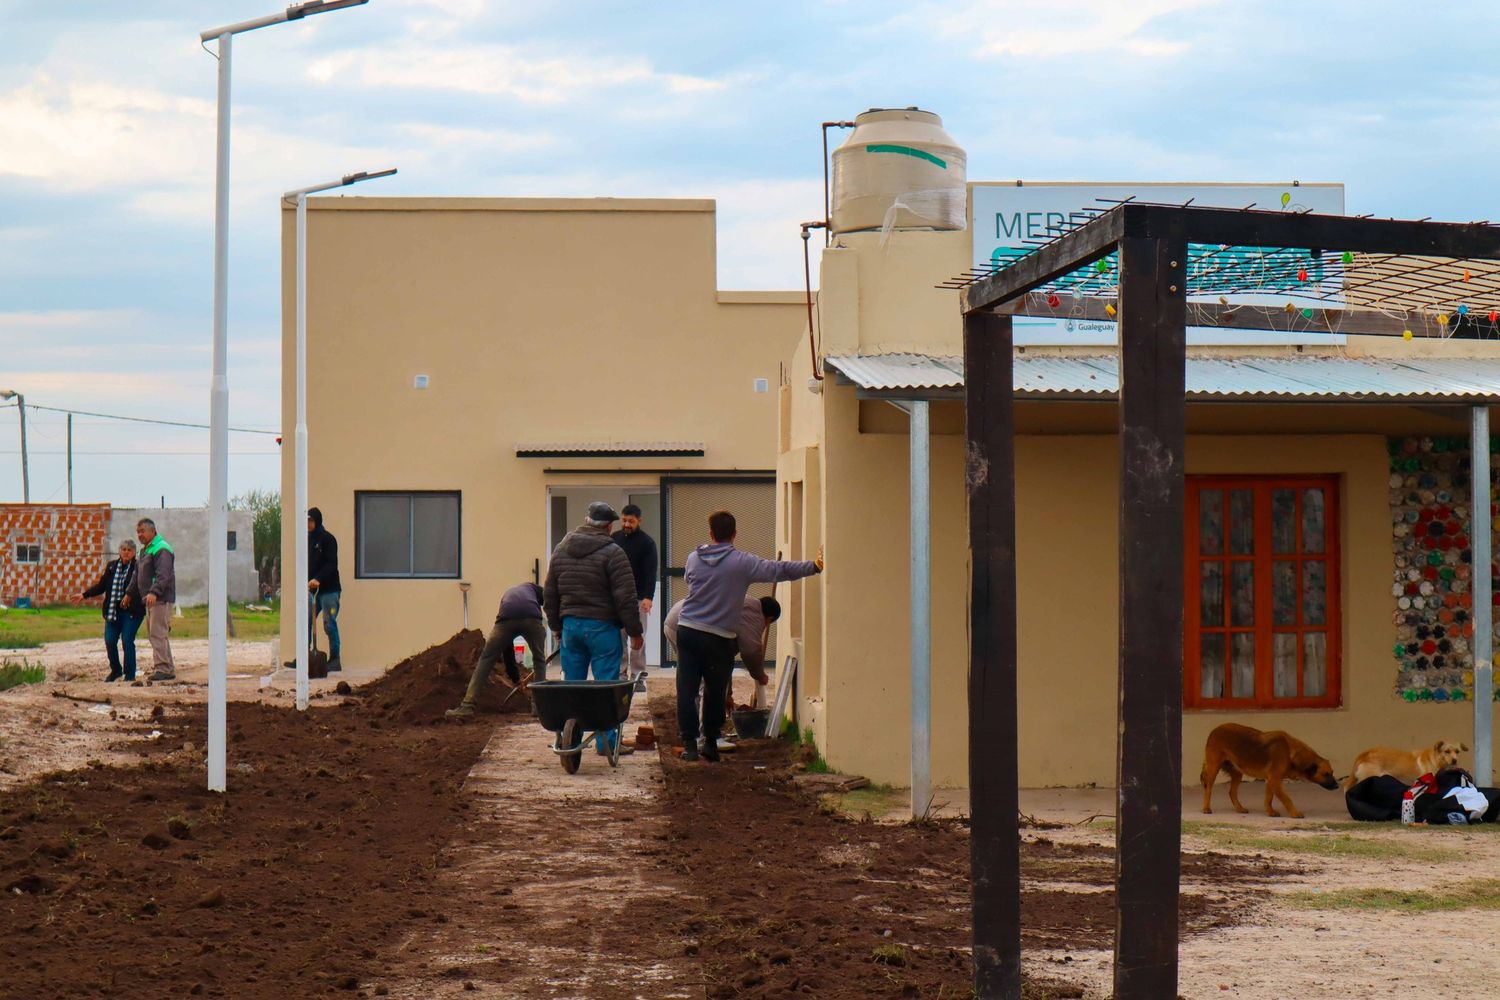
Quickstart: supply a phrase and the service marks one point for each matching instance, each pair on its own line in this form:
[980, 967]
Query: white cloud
[1053, 28]
[511, 71]
[97, 135]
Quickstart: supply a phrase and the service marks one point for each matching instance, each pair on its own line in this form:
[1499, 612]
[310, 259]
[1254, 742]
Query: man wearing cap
[589, 597]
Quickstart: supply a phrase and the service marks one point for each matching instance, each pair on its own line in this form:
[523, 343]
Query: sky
[107, 143]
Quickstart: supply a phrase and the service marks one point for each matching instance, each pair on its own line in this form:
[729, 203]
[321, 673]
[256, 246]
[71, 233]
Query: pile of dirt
[421, 688]
[137, 882]
[796, 900]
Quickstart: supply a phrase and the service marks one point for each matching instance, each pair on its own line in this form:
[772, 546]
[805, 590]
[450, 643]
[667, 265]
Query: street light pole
[218, 435]
[299, 437]
[25, 461]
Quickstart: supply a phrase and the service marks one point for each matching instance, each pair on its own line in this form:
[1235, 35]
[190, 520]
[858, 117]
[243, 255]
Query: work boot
[114, 675]
[711, 750]
[163, 675]
[334, 666]
[463, 711]
[690, 751]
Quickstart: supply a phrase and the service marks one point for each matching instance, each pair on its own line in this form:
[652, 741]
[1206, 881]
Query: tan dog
[1408, 765]
[1242, 752]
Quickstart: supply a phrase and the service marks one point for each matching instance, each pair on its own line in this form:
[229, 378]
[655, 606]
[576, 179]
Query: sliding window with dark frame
[1262, 625]
[408, 535]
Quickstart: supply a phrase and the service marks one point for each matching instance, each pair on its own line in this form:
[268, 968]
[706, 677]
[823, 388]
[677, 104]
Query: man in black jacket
[323, 583]
[640, 549]
[520, 617]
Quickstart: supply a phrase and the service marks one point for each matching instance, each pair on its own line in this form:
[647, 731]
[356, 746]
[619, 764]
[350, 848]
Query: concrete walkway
[542, 889]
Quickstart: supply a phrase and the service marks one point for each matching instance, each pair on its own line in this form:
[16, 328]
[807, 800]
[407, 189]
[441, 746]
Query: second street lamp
[304, 621]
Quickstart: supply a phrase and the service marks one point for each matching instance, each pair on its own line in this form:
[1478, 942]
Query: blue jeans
[122, 629]
[589, 644]
[328, 605]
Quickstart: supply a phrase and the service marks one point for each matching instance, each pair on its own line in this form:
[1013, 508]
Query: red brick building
[51, 551]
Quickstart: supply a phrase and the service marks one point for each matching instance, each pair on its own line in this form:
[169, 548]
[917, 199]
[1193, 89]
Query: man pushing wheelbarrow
[589, 597]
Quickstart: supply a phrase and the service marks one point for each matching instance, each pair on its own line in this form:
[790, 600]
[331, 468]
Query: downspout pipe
[812, 337]
[921, 606]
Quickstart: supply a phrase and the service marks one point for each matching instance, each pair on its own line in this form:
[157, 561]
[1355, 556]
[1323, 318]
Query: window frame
[1263, 557]
[360, 572]
[28, 546]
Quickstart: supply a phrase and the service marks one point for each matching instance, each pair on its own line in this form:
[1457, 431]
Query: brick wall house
[51, 551]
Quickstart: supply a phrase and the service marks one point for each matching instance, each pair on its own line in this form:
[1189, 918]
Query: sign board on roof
[1008, 219]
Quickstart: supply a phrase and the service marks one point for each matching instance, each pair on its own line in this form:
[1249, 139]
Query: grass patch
[1322, 844]
[877, 800]
[1479, 894]
[14, 674]
[29, 628]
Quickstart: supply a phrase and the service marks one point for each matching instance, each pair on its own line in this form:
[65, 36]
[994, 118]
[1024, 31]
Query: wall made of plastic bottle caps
[1432, 522]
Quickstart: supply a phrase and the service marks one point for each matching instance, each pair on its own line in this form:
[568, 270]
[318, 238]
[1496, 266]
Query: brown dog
[1408, 765]
[1242, 752]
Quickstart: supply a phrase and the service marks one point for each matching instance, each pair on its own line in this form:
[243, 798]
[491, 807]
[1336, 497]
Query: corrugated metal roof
[901, 371]
[1305, 377]
[612, 449]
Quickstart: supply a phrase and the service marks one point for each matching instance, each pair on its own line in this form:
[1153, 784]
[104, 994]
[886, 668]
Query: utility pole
[25, 464]
[70, 458]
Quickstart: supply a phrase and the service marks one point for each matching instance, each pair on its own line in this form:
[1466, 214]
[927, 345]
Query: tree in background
[265, 505]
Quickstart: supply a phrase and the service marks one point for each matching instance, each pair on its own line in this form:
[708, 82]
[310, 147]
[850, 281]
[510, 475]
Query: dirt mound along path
[798, 901]
[137, 882]
[422, 687]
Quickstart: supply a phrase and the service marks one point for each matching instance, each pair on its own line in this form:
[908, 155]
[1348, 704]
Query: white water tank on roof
[898, 168]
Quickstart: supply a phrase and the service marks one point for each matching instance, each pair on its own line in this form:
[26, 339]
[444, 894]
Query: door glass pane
[1211, 594]
[1314, 596]
[1242, 593]
[435, 535]
[1242, 666]
[1283, 521]
[1212, 664]
[1284, 592]
[1284, 664]
[1241, 522]
[1211, 522]
[385, 535]
[1313, 521]
[1314, 664]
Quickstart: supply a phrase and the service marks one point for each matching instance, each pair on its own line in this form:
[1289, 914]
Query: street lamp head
[367, 175]
[8, 394]
[300, 10]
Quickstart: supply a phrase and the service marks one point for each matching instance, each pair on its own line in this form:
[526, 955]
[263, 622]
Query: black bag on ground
[1437, 799]
[1377, 799]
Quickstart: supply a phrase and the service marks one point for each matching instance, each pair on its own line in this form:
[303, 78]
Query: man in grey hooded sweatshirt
[718, 576]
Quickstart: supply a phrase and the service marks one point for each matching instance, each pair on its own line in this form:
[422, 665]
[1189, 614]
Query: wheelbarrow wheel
[571, 742]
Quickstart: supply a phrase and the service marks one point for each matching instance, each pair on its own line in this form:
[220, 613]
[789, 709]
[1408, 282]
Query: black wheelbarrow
[578, 710]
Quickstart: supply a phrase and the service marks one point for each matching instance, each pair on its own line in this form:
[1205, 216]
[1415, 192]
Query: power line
[143, 420]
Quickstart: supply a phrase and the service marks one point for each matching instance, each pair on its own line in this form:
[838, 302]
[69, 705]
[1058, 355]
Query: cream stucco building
[1338, 431]
[479, 369]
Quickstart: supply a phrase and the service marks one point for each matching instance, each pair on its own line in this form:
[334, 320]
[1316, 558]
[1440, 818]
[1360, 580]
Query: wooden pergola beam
[1229, 227]
[1276, 319]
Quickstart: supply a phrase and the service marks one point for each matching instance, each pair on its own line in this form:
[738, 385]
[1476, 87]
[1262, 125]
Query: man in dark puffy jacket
[590, 597]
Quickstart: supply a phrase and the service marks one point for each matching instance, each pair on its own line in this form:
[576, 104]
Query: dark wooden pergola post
[994, 804]
[1148, 816]
[1152, 242]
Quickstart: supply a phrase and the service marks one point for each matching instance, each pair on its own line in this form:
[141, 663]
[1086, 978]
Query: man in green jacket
[156, 583]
